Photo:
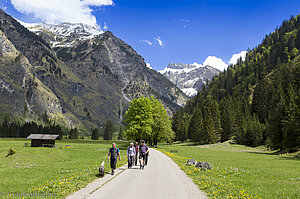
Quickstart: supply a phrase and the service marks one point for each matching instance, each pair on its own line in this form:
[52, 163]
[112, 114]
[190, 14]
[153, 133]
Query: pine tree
[121, 133]
[180, 125]
[74, 133]
[253, 132]
[297, 42]
[95, 134]
[5, 126]
[211, 120]
[196, 130]
[290, 133]
[241, 116]
[108, 130]
[261, 100]
[227, 118]
[217, 121]
[274, 128]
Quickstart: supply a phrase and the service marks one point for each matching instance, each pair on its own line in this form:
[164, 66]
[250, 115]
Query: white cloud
[235, 57]
[185, 20]
[160, 42]
[147, 42]
[215, 62]
[59, 11]
[105, 27]
[219, 64]
[156, 41]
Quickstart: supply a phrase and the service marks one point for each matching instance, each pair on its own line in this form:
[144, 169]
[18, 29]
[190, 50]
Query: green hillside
[255, 102]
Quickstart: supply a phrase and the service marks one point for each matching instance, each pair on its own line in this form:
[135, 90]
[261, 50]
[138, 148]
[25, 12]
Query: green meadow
[239, 171]
[55, 172]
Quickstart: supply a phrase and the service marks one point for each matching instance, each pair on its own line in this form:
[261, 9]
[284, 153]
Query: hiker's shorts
[142, 156]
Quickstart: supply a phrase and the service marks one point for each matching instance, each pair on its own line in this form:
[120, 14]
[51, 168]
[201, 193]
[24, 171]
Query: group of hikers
[134, 152]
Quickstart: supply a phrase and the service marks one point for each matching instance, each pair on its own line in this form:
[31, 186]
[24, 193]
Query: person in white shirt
[130, 155]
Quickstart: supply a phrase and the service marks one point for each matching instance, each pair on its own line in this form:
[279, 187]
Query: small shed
[42, 140]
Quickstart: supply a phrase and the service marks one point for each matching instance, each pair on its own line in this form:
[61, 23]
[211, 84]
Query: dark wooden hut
[42, 140]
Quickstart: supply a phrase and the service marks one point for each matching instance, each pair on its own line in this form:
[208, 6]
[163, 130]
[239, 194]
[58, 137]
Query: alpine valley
[76, 74]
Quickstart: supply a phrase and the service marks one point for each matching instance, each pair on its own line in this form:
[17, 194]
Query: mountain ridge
[63, 35]
[90, 80]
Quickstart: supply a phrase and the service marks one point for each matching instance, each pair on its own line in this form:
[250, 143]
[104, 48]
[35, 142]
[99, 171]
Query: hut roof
[42, 137]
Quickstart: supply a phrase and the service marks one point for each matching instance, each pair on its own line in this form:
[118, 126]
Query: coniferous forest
[10, 127]
[255, 102]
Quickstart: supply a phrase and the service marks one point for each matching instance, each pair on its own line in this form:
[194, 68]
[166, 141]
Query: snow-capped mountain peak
[189, 77]
[180, 68]
[65, 34]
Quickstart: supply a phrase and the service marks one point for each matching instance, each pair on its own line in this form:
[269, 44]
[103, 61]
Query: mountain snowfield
[191, 77]
[65, 34]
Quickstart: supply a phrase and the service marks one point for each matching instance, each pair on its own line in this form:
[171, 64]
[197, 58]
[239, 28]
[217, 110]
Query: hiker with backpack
[144, 150]
[114, 152]
[130, 155]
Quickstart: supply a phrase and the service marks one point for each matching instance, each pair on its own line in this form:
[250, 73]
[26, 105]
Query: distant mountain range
[79, 75]
[190, 78]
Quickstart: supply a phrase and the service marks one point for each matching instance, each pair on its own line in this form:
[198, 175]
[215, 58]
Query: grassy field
[239, 171]
[54, 172]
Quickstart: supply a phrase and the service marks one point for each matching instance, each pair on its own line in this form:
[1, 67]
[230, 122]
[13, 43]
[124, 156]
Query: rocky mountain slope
[189, 77]
[78, 75]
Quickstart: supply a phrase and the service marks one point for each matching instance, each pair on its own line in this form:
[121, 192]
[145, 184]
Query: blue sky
[189, 30]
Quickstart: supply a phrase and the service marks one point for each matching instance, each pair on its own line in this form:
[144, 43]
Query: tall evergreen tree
[196, 128]
[297, 42]
[95, 134]
[261, 100]
[227, 118]
[121, 133]
[108, 130]
[211, 120]
[274, 128]
[252, 132]
[5, 126]
[74, 133]
[291, 122]
[180, 125]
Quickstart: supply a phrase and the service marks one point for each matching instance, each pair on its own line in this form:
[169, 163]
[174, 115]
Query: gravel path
[161, 179]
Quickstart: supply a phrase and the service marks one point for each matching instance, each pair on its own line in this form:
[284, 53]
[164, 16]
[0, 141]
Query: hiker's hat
[143, 141]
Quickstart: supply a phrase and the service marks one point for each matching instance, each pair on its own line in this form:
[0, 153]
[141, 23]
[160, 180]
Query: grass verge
[239, 171]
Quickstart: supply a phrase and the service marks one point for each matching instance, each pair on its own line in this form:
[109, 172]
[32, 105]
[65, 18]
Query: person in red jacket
[136, 153]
